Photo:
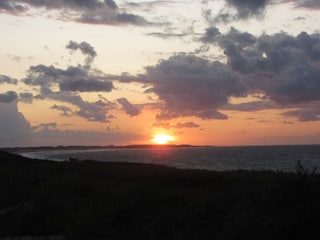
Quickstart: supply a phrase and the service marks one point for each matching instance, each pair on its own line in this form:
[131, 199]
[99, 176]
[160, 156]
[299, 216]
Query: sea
[275, 158]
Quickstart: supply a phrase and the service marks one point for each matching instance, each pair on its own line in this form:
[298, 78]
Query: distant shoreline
[76, 147]
[132, 146]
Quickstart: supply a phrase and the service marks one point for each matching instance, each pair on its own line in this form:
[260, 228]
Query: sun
[162, 138]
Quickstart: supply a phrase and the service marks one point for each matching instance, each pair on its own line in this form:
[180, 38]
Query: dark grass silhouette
[99, 200]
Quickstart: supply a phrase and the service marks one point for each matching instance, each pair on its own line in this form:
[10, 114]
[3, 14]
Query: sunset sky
[207, 72]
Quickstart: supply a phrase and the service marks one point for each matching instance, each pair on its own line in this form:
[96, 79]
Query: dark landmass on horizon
[81, 147]
[105, 200]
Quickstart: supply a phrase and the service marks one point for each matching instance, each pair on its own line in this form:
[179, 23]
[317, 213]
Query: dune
[100, 200]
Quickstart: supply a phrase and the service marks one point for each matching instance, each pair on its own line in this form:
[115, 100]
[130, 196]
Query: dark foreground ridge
[99, 200]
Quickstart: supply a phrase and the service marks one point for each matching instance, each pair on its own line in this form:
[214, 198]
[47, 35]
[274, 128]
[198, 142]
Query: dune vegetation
[99, 200]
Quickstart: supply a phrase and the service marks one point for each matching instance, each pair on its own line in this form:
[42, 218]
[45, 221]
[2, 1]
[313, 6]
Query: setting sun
[162, 139]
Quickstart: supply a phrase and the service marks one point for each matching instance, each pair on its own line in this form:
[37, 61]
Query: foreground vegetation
[95, 200]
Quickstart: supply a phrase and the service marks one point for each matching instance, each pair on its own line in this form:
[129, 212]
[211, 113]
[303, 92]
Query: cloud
[15, 130]
[85, 85]
[248, 8]
[192, 86]
[8, 97]
[250, 106]
[312, 4]
[306, 112]
[73, 79]
[46, 126]
[70, 82]
[210, 35]
[11, 6]
[283, 67]
[64, 85]
[8, 80]
[85, 48]
[211, 114]
[92, 111]
[178, 125]
[129, 108]
[234, 10]
[92, 12]
[26, 97]
[303, 114]
[66, 111]
[167, 35]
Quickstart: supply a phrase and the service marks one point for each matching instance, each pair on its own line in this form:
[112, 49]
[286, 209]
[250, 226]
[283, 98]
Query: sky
[116, 72]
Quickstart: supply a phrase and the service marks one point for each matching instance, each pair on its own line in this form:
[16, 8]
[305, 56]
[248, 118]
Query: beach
[108, 200]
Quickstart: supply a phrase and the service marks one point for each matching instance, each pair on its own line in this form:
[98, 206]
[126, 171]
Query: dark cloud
[178, 125]
[8, 80]
[312, 4]
[46, 126]
[283, 67]
[251, 106]
[26, 97]
[192, 86]
[112, 18]
[8, 97]
[85, 85]
[235, 10]
[64, 85]
[70, 82]
[93, 11]
[55, 4]
[15, 130]
[187, 125]
[74, 79]
[283, 70]
[95, 111]
[85, 48]
[129, 108]
[111, 4]
[211, 114]
[166, 35]
[66, 111]
[280, 67]
[210, 35]
[248, 8]
[10, 6]
[232, 39]
[303, 115]
[92, 111]
[127, 18]
[308, 112]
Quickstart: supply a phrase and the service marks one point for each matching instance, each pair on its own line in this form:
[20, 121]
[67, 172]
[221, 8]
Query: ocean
[276, 158]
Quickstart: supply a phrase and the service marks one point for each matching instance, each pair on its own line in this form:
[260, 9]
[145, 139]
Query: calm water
[212, 158]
